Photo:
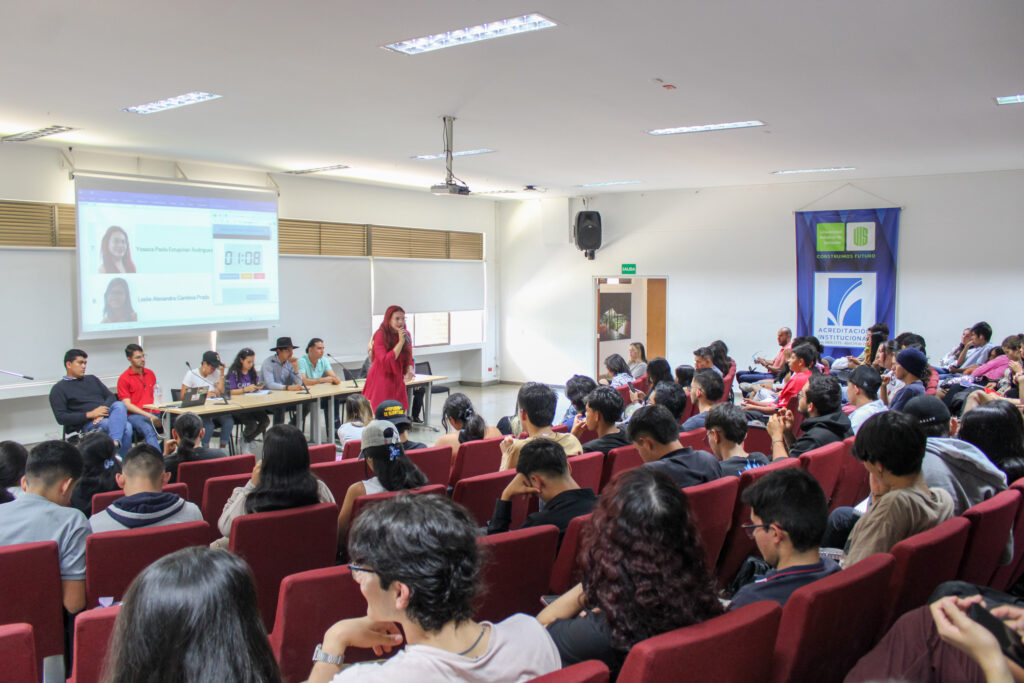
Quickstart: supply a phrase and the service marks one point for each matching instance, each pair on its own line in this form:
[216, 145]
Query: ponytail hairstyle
[357, 409]
[188, 426]
[393, 469]
[459, 407]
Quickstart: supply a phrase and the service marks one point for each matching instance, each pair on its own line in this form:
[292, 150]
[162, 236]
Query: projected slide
[153, 256]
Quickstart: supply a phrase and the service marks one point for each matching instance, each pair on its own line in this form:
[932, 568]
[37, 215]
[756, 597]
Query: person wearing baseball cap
[911, 368]
[210, 374]
[394, 412]
[862, 391]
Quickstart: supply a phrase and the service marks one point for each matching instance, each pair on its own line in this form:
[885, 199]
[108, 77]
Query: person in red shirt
[392, 361]
[801, 360]
[135, 389]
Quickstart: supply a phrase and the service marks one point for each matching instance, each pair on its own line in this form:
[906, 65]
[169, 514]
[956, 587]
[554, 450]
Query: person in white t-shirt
[395, 550]
[862, 391]
[209, 375]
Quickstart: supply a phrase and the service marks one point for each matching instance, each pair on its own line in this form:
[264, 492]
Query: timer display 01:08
[243, 258]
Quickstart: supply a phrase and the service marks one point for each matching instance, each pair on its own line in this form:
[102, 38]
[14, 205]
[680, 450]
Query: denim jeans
[226, 424]
[144, 426]
[116, 425]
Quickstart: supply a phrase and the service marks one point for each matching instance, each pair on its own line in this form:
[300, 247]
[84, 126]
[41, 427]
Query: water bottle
[158, 393]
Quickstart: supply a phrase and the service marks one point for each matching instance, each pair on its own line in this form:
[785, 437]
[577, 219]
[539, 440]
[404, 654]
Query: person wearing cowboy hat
[280, 372]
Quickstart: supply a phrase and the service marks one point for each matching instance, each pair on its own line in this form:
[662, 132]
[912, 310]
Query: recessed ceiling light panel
[705, 128]
[466, 153]
[1010, 99]
[320, 169]
[171, 103]
[815, 170]
[36, 134]
[472, 34]
[610, 183]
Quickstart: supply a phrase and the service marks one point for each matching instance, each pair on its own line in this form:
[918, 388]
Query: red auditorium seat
[341, 474]
[476, 457]
[825, 464]
[623, 390]
[727, 382]
[479, 493]
[114, 558]
[991, 524]
[516, 571]
[563, 571]
[101, 501]
[711, 506]
[1007, 575]
[924, 561]
[696, 439]
[587, 436]
[641, 384]
[747, 634]
[758, 441]
[216, 492]
[831, 623]
[434, 462]
[853, 485]
[34, 569]
[283, 542]
[351, 449]
[590, 671]
[560, 429]
[322, 453]
[586, 469]
[619, 460]
[18, 654]
[689, 410]
[93, 631]
[194, 474]
[363, 502]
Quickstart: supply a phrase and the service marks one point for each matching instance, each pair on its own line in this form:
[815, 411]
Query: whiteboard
[428, 285]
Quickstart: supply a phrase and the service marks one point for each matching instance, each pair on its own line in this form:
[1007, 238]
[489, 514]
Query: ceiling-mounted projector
[449, 189]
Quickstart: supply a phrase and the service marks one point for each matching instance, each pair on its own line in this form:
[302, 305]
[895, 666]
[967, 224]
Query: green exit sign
[629, 269]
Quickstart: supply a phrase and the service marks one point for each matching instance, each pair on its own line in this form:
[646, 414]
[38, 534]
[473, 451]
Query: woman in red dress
[392, 361]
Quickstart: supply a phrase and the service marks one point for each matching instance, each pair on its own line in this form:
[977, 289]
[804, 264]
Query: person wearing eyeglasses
[788, 514]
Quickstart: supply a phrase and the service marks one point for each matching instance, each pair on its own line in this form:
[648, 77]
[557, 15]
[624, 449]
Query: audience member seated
[784, 337]
[658, 372]
[603, 411]
[242, 379]
[788, 512]
[911, 368]
[637, 360]
[720, 357]
[885, 360]
[669, 395]
[144, 504]
[459, 414]
[210, 376]
[801, 360]
[43, 513]
[576, 390]
[975, 352]
[100, 469]
[727, 428]
[706, 390]
[391, 468]
[862, 392]
[892, 447]
[543, 470]
[190, 617]
[704, 358]
[824, 422]
[358, 414]
[877, 334]
[998, 367]
[183, 446]
[617, 371]
[394, 412]
[135, 390]
[643, 573]
[536, 410]
[281, 481]
[417, 563]
[13, 457]
[684, 376]
[82, 403]
[997, 429]
[655, 433]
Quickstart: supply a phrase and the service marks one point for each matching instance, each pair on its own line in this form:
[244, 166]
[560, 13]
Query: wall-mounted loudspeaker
[587, 232]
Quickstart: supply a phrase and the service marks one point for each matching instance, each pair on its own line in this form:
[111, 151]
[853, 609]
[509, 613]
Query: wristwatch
[320, 656]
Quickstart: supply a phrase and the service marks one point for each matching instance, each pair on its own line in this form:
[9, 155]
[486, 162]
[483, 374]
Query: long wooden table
[299, 399]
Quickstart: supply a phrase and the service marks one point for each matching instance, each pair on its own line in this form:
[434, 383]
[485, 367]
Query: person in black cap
[211, 375]
[911, 368]
[862, 391]
[280, 372]
[394, 412]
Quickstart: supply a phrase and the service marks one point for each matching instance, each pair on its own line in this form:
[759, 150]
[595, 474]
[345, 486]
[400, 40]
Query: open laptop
[194, 396]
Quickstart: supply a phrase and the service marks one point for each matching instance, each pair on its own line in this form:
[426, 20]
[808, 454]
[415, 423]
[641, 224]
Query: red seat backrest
[727, 381]
[194, 474]
[512, 585]
[793, 405]
[1007, 575]
[711, 505]
[435, 462]
[641, 384]
[924, 561]
[101, 501]
[216, 492]
[696, 439]
[308, 604]
[363, 502]
[283, 542]
[93, 630]
[351, 449]
[478, 493]
[689, 410]
[590, 671]
[563, 571]
[586, 469]
[18, 653]
[619, 460]
[476, 457]
[114, 558]
[825, 464]
[991, 524]
[325, 452]
[341, 474]
[737, 544]
[560, 429]
[758, 441]
[587, 436]
[853, 485]
[623, 390]
[811, 646]
[750, 632]
[30, 576]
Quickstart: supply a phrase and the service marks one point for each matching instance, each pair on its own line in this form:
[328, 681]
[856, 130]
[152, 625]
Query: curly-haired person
[643, 573]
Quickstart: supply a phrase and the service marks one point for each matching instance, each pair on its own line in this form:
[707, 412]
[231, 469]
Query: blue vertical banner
[845, 275]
